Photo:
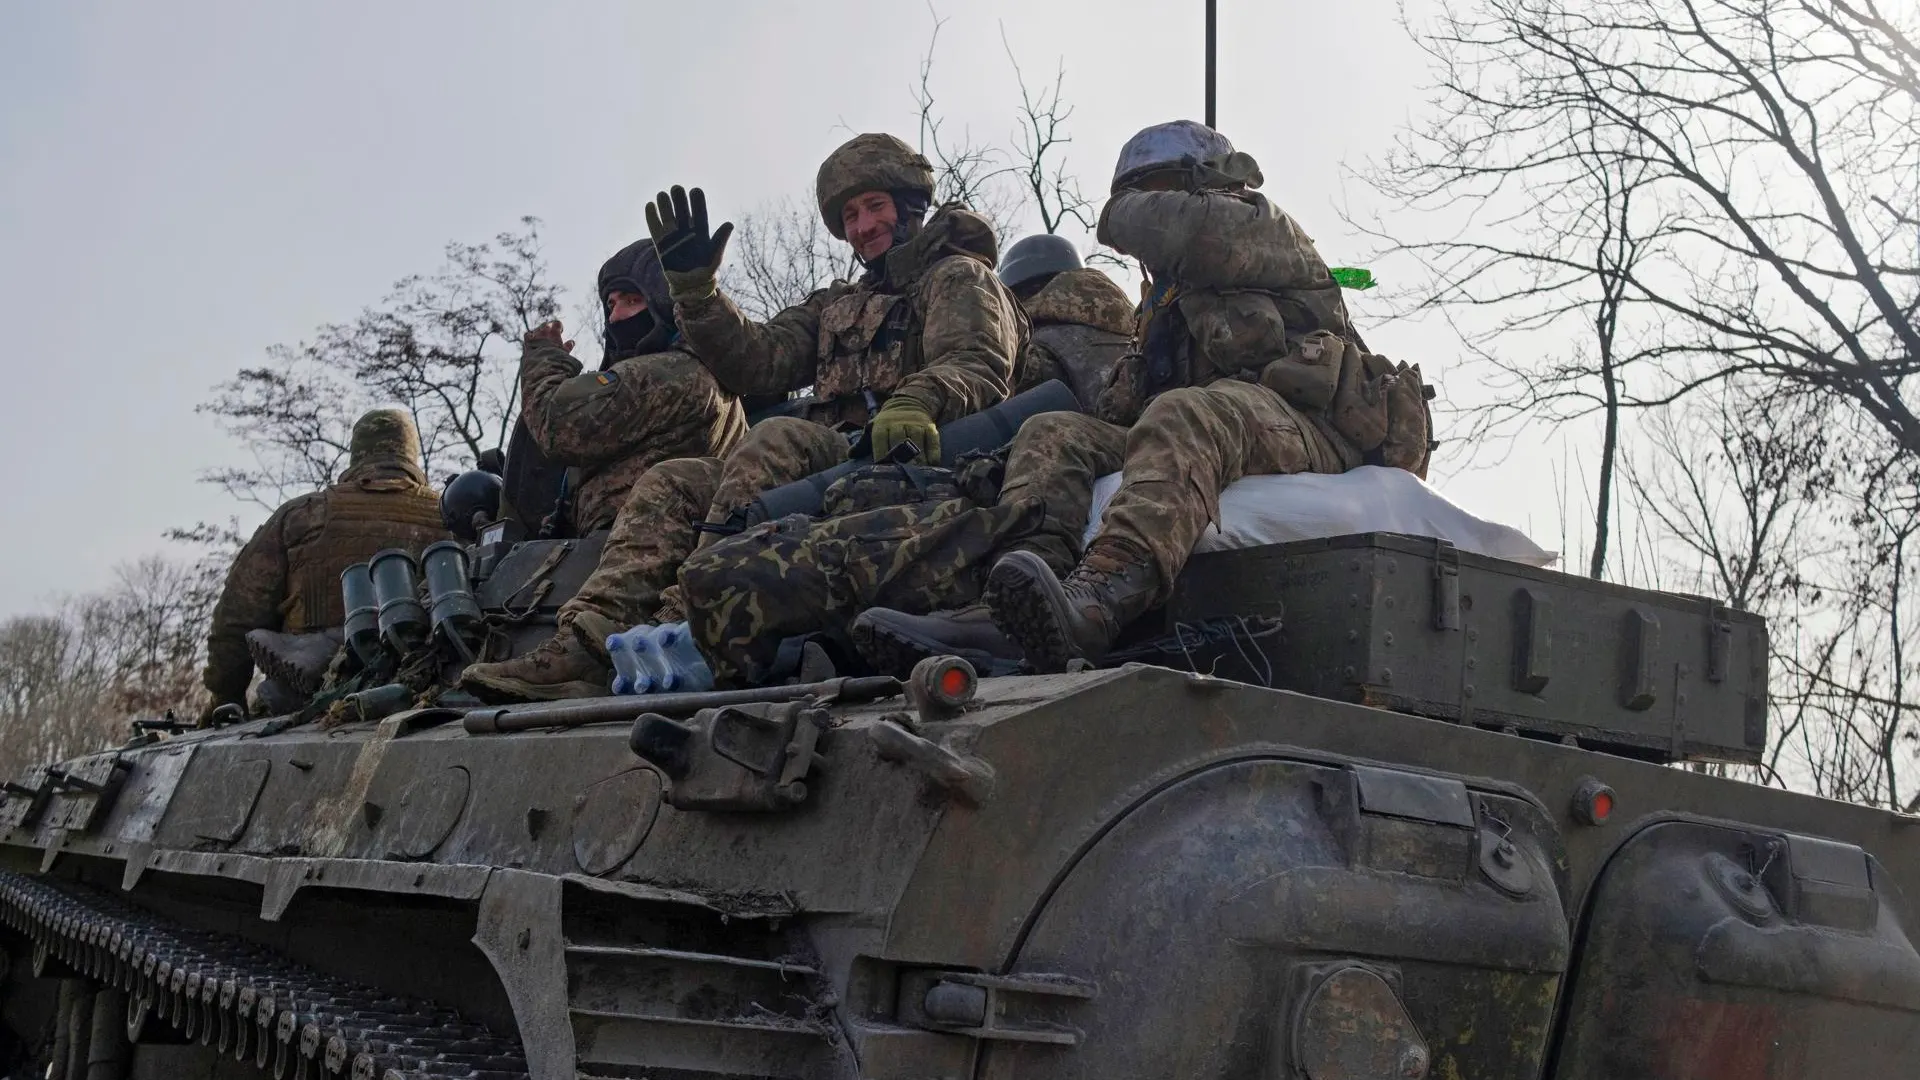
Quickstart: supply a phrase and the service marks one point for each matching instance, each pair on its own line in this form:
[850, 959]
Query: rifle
[986, 430]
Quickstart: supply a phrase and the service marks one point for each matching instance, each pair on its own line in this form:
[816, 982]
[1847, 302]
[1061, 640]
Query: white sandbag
[1275, 509]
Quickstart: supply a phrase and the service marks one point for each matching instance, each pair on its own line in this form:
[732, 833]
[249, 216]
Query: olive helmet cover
[871, 162]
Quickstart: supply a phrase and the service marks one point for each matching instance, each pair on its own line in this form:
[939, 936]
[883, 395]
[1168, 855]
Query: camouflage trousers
[748, 594]
[1054, 460]
[1188, 445]
[657, 527]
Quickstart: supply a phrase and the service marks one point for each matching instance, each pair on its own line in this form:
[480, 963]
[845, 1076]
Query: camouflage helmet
[868, 163]
[384, 436]
[1039, 255]
[1178, 144]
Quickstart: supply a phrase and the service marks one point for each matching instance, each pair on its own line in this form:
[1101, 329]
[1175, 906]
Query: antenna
[1212, 35]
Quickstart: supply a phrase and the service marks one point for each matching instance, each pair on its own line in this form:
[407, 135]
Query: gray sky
[183, 185]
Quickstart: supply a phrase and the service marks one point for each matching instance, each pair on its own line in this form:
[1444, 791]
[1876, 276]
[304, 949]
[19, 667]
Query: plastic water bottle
[630, 673]
[657, 659]
[684, 669]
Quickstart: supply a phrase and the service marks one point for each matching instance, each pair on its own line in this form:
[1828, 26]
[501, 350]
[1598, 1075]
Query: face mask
[625, 338]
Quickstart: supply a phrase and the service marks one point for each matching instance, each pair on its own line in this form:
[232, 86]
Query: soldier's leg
[1187, 447]
[776, 451]
[1055, 458]
[1054, 461]
[654, 531]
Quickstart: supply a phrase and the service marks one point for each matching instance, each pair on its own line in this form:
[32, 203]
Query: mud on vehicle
[1360, 807]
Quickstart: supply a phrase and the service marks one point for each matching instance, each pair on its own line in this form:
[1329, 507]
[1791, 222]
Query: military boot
[563, 666]
[893, 641]
[298, 662]
[1056, 621]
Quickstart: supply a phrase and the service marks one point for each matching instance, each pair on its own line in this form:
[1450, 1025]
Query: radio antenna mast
[1212, 36]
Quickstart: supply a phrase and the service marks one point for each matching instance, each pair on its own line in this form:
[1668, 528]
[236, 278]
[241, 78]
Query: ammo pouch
[1377, 406]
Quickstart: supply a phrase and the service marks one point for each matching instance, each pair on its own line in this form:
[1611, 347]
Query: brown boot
[1077, 619]
[561, 667]
[893, 641]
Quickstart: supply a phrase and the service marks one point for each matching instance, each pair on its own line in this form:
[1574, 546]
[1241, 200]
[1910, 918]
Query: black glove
[689, 253]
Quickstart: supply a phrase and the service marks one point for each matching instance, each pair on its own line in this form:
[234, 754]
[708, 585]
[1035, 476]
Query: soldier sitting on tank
[281, 606]
[1247, 365]
[1082, 321]
[931, 542]
[650, 400]
[926, 336]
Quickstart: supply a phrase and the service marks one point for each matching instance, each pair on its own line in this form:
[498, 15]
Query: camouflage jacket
[287, 576]
[1082, 326]
[1235, 281]
[934, 325]
[614, 424]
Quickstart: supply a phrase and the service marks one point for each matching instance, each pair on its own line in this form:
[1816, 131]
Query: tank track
[240, 999]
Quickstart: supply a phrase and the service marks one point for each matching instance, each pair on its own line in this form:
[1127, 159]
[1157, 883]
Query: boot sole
[515, 692]
[1024, 611]
[893, 652]
[294, 678]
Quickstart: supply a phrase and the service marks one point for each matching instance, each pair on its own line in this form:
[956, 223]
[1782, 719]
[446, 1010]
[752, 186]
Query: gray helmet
[1039, 255]
[1176, 144]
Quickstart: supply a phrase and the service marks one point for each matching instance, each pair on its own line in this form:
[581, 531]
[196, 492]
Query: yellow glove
[905, 420]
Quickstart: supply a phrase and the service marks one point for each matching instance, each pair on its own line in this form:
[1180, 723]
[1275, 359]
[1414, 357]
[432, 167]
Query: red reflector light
[954, 682]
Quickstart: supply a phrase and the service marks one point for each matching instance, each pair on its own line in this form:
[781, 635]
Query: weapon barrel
[500, 719]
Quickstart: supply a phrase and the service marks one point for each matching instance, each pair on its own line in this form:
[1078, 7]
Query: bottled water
[652, 659]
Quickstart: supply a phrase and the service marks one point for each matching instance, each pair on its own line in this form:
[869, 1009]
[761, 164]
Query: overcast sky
[184, 184]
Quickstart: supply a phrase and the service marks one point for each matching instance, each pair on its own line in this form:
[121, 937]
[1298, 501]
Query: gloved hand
[549, 331]
[901, 420]
[689, 253]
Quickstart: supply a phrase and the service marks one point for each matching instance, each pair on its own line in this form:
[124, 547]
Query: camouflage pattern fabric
[1054, 461]
[385, 437]
[654, 531]
[287, 576]
[1192, 442]
[748, 593]
[1082, 325]
[873, 487]
[615, 424]
[934, 326]
[778, 450]
[869, 162]
[657, 528]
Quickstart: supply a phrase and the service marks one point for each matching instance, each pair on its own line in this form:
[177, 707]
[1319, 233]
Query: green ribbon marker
[1352, 277]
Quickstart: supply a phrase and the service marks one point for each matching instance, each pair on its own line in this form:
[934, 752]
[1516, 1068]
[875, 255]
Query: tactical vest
[355, 523]
[869, 341]
[1081, 356]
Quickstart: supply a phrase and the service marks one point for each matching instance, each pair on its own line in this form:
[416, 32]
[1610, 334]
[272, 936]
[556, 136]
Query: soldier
[1247, 365]
[926, 336]
[1082, 321]
[650, 401]
[287, 577]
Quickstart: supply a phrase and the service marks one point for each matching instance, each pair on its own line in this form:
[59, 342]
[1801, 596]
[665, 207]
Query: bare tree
[1772, 143]
[783, 254]
[444, 345]
[965, 170]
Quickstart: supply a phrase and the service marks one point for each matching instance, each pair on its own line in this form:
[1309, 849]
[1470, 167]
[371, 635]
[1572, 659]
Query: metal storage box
[1415, 625]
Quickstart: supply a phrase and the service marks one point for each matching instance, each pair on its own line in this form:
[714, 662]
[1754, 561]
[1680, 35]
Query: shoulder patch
[606, 378]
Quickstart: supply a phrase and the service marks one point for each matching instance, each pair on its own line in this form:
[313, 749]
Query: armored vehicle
[1374, 808]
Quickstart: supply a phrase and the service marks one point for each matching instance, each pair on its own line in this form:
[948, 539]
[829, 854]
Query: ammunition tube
[403, 622]
[453, 609]
[363, 612]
